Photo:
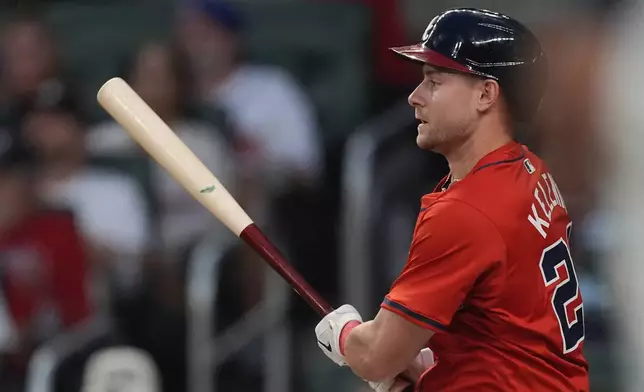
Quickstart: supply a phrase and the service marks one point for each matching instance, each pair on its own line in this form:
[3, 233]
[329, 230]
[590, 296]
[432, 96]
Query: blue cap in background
[221, 12]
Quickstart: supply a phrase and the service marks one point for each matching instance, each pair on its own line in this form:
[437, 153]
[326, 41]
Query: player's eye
[432, 82]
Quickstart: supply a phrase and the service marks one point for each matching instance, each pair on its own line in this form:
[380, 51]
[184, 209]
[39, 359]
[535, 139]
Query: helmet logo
[426, 33]
[430, 28]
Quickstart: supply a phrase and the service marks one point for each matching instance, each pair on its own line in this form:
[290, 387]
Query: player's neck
[482, 142]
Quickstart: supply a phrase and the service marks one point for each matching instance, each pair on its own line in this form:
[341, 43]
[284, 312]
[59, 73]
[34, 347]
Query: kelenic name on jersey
[547, 197]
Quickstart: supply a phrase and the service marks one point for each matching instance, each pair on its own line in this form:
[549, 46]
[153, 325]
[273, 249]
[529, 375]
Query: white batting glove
[423, 361]
[329, 329]
[384, 386]
[396, 385]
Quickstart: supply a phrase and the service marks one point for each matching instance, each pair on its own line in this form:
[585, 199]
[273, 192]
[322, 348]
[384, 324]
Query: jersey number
[557, 269]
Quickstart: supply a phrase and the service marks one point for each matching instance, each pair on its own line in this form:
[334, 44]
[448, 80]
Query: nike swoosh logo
[326, 346]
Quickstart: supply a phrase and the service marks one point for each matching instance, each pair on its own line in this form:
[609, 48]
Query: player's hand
[423, 361]
[329, 330]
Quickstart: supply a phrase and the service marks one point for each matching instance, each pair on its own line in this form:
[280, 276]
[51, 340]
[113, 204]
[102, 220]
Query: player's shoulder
[501, 182]
[450, 223]
[506, 174]
[505, 163]
[512, 191]
[448, 210]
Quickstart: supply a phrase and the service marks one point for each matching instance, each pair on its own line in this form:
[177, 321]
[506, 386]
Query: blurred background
[113, 277]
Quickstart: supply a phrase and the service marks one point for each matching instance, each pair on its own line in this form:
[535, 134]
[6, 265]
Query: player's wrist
[333, 330]
[344, 334]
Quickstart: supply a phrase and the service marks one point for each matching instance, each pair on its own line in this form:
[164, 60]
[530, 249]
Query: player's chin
[425, 143]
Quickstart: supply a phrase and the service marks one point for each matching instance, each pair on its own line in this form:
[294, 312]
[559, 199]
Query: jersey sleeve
[453, 246]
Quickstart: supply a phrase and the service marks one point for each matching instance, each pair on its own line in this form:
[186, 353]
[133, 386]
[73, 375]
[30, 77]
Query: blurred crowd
[83, 237]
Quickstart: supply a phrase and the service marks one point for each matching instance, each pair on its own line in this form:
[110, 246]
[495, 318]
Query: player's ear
[489, 92]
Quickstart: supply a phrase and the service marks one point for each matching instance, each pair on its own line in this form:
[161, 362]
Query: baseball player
[489, 285]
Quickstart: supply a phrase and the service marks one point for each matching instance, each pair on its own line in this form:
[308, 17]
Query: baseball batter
[489, 299]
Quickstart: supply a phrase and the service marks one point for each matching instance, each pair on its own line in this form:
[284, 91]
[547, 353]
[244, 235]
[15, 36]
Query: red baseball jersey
[490, 272]
[42, 262]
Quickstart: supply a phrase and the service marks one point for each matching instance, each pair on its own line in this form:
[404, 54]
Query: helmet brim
[420, 53]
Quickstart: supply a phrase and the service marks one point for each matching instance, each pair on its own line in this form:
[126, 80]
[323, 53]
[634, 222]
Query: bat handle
[254, 237]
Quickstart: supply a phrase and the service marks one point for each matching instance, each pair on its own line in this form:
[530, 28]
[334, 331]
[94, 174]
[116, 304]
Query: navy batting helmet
[489, 45]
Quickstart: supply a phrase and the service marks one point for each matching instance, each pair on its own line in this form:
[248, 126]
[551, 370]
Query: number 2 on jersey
[557, 269]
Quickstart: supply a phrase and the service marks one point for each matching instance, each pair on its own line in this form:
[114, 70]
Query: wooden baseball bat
[163, 145]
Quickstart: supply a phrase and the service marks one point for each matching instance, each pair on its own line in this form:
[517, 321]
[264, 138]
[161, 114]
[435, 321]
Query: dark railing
[206, 352]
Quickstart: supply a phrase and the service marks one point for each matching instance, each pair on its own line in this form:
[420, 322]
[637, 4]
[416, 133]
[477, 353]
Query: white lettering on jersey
[537, 222]
[555, 188]
[547, 200]
[551, 195]
[547, 196]
[547, 211]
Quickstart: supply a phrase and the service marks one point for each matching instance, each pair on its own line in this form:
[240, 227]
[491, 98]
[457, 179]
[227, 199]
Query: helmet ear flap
[524, 88]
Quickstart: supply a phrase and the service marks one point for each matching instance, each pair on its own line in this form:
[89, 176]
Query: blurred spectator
[275, 123]
[42, 265]
[29, 63]
[110, 208]
[275, 135]
[566, 129]
[567, 136]
[619, 224]
[160, 77]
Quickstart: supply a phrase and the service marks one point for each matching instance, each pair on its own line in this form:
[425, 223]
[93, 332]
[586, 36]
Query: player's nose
[414, 99]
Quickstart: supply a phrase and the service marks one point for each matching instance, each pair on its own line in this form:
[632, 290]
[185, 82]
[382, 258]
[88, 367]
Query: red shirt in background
[43, 271]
